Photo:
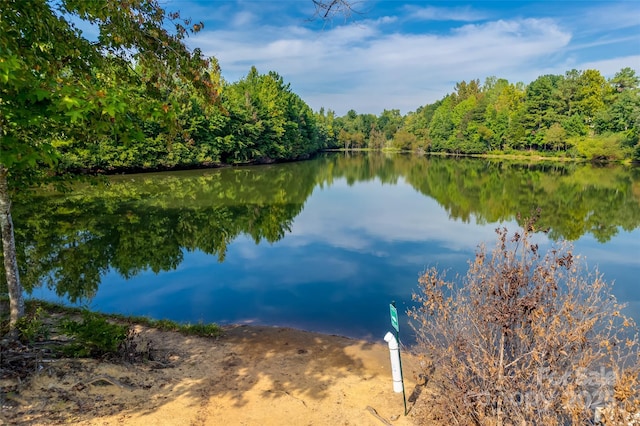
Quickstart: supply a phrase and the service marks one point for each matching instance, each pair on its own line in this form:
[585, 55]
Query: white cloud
[613, 16]
[357, 66]
[377, 219]
[362, 66]
[388, 19]
[430, 13]
[609, 67]
[243, 18]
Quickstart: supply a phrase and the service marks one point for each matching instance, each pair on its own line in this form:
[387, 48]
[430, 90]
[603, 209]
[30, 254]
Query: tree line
[255, 119]
[260, 119]
[579, 114]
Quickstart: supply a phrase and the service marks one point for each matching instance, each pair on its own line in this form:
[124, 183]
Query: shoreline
[248, 375]
[172, 325]
[523, 156]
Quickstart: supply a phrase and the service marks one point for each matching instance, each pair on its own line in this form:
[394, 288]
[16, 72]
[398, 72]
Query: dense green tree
[623, 105]
[377, 139]
[441, 126]
[605, 147]
[503, 100]
[327, 128]
[266, 121]
[354, 129]
[389, 122]
[574, 125]
[541, 107]
[554, 113]
[569, 88]
[591, 94]
[404, 140]
[465, 90]
[461, 119]
[419, 122]
[50, 87]
[555, 137]
[365, 123]
[178, 129]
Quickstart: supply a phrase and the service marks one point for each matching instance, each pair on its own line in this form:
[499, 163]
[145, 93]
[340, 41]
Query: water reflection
[323, 244]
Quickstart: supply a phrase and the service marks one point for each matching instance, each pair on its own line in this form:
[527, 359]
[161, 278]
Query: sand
[249, 376]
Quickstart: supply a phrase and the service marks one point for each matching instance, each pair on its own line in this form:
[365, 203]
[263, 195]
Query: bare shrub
[526, 339]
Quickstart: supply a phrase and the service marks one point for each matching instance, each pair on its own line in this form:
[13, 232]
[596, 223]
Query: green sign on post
[394, 317]
[394, 323]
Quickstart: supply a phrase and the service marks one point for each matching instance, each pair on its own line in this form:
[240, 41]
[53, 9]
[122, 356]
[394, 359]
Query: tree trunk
[16, 301]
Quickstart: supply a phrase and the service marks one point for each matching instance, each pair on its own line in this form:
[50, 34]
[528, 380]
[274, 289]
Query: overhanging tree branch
[328, 9]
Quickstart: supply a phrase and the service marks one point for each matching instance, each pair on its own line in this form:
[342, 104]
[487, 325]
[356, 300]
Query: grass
[200, 329]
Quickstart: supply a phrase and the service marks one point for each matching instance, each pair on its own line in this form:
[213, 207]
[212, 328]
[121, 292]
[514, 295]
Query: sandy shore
[249, 376]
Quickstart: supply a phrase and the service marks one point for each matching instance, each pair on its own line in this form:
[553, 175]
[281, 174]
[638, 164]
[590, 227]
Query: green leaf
[41, 94]
[69, 102]
[75, 115]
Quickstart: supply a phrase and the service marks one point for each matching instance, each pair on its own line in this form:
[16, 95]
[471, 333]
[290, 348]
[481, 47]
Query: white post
[394, 353]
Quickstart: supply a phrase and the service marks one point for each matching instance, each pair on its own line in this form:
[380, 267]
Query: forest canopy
[260, 119]
[579, 114]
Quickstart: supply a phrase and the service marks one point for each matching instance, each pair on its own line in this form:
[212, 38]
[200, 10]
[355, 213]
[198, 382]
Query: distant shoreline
[529, 155]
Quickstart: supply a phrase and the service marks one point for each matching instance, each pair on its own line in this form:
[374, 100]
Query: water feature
[322, 245]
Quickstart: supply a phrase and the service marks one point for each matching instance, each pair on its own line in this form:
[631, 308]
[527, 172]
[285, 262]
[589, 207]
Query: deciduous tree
[50, 87]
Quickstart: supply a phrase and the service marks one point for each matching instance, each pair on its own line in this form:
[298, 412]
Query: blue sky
[404, 54]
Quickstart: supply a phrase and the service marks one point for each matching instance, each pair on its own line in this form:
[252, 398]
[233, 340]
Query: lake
[323, 245]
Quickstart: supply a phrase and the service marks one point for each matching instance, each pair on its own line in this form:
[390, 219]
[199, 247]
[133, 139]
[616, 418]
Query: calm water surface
[322, 245]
